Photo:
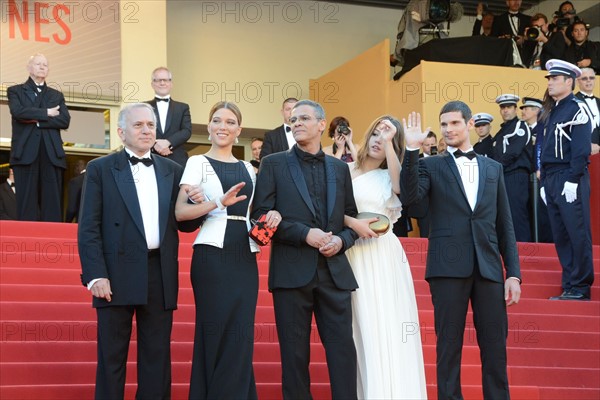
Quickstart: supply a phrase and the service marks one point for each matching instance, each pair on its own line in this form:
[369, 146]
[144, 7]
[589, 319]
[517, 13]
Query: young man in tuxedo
[309, 273]
[471, 237]
[280, 138]
[37, 156]
[586, 83]
[128, 246]
[174, 126]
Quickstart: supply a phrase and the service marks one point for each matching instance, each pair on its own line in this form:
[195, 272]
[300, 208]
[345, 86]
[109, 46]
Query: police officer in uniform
[514, 150]
[565, 180]
[483, 129]
[530, 112]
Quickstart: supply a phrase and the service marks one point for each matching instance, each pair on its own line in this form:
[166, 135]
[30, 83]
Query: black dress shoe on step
[558, 297]
[572, 295]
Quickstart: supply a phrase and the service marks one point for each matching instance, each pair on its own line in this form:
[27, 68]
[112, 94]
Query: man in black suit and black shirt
[586, 83]
[37, 156]
[309, 273]
[583, 52]
[174, 127]
[280, 138]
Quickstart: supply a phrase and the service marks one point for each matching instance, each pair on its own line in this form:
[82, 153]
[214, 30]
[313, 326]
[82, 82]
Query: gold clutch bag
[381, 226]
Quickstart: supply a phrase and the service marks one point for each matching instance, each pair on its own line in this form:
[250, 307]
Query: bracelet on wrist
[220, 205]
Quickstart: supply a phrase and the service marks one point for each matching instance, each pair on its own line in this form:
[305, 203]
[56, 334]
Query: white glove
[543, 195]
[570, 191]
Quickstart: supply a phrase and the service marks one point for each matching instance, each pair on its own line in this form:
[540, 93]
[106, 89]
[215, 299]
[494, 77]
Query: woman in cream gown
[385, 316]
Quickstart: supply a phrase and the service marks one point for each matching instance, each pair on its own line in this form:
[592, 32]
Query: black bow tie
[320, 156]
[12, 184]
[287, 129]
[469, 154]
[146, 161]
[159, 99]
[585, 96]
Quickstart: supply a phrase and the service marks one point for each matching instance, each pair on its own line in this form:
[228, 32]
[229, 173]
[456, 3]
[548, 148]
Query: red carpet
[48, 329]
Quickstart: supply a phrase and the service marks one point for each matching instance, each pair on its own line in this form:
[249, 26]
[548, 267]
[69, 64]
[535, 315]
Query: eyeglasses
[303, 119]
[587, 78]
[161, 80]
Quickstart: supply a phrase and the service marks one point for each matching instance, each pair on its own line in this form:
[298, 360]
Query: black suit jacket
[274, 142]
[596, 131]
[8, 202]
[74, 197]
[281, 186]
[177, 129]
[111, 237]
[459, 236]
[588, 49]
[28, 111]
[502, 25]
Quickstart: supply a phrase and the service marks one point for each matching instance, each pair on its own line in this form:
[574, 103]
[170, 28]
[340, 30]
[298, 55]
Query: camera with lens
[565, 19]
[533, 33]
[343, 128]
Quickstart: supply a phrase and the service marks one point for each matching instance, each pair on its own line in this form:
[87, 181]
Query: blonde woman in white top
[224, 272]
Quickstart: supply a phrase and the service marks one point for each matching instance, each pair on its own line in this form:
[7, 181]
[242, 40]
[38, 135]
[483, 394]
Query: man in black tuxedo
[37, 156]
[280, 138]
[471, 228]
[174, 126]
[309, 272]
[8, 200]
[512, 24]
[586, 83]
[128, 246]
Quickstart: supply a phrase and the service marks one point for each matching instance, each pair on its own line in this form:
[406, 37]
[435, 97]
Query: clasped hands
[327, 243]
[163, 147]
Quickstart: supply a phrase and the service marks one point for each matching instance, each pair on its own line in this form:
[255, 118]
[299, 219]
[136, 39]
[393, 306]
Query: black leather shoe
[564, 293]
[574, 296]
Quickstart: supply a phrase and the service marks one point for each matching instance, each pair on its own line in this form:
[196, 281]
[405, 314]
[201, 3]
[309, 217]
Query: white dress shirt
[469, 174]
[163, 109]
[289, 135]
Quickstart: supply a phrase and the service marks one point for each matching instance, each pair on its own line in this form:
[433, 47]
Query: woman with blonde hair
[385, 316]
[224, 272]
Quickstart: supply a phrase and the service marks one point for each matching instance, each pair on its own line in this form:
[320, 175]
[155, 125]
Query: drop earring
[209, 138]
[236, 141]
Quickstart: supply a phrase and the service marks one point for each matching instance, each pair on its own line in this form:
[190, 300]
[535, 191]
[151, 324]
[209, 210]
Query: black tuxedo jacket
[177, 129]
[596, 131]
[111, 237]
[28, 111]
[281, 186]
[274, 142]
[459, 236]
[502, 25]
[8, 202]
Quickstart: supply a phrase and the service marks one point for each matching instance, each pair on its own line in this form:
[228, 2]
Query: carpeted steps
[47, 341]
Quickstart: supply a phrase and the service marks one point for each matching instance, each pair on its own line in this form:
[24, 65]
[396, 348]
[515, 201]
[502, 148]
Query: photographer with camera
[536, 37]
[343, 148]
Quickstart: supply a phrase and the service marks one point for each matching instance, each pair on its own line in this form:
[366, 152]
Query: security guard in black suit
[565, 180]
[514, 150]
